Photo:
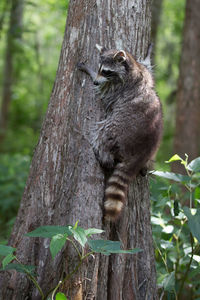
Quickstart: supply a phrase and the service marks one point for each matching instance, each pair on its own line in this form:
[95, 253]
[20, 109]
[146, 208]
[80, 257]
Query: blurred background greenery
[35, 52]
[35, 59]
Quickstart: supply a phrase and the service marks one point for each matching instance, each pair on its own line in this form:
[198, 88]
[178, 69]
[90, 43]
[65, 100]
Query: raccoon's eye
[106, 72]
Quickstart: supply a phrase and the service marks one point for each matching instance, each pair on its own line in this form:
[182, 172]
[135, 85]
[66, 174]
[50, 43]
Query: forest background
[29, 52]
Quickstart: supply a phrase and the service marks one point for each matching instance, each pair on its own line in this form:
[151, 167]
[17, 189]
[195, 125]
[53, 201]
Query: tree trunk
[66, 183]
[188, 96]
[13, 36]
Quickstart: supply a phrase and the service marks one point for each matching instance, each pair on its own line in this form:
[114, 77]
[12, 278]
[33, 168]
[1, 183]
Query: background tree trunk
[13, 36]
[188, 96]
[5, 8]
[156, 15]
[66, 183]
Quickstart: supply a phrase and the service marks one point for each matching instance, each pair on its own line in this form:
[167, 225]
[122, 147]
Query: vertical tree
[156, 14]
[66, 183]
[13, 37]
[188, 104]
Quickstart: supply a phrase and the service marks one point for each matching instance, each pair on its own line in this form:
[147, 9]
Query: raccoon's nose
[96, 82]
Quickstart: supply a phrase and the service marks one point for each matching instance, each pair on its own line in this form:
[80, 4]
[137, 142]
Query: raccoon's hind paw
[105, 159]
[143, 172]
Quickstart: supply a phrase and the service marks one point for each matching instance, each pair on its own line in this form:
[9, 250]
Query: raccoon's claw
[81, 66]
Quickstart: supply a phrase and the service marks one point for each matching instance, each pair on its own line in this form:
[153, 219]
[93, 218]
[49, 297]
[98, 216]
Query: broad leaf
[5, 250]
[60, 296]
[79, 235]
[49, 231]
[172, 176]
[57, 243]
[21, 268]
[193, 222]
[92, 231]
[169, 282]
[104, 246]
[194, 165]
[7, 260]
[130, 251]
[107, 247]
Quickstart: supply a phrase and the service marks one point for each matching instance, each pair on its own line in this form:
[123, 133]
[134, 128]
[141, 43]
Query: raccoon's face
[113, 67]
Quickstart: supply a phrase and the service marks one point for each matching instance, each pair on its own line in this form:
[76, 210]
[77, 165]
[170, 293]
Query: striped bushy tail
[116, 192]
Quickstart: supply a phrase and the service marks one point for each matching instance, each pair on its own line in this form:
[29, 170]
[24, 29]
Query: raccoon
[129, 136]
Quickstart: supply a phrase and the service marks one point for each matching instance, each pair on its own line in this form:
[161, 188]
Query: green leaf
[7, 260]
[91, 231]
[5, 250]
[130, 251]
[104, 246]
[21, 268]
[169, 282]
[194, 165]
[79, 235]
[49, 231]
[76, 224]
[193, 222]
[174, 158]
[166, 244]
[60, 296]
[57, 243]
[107, 247]
[172, 176]
[197, 193]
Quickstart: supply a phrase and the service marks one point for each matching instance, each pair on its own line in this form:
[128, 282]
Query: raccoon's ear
[120, 56]
[100, 48]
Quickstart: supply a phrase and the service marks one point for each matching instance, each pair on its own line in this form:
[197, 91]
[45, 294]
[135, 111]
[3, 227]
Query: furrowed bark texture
[188, 96]
[66, 183]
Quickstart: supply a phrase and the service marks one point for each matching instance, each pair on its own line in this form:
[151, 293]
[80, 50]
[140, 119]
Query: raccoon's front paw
[105, 159]
[81, 66]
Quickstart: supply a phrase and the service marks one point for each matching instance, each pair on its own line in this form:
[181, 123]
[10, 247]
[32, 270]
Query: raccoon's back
[137, 127]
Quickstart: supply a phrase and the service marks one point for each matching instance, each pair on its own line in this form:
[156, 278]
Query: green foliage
[60, 296]
[59, 236]
[193, 221]
[13, 174]
[49, 231]
[7, 260]
[57, 243]
[167, 61]
[35, 64]
[176, 229]
[108, 247]
[35, 61]
[20, 268]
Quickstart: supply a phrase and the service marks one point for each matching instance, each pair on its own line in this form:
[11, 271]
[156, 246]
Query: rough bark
[66, 183]
[14, 34]
[188, 96]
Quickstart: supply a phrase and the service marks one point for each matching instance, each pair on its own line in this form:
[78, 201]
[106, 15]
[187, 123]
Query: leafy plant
[13, 174]
[59, 235]
[176, 229]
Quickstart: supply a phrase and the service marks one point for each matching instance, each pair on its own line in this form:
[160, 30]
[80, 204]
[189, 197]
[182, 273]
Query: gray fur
[130, 134]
